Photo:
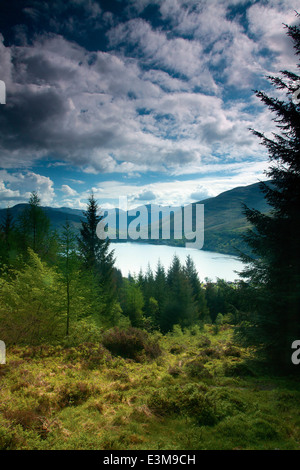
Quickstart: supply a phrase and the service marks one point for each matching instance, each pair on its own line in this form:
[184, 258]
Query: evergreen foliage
[98, 258]
[8, 251]
[273, 321]
[31, 305]
[34, 231]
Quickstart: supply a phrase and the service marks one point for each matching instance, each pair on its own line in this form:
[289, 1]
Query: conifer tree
[96, 255]
[180, 307]
[160, 284]
[147, 285]
[80, 290]
[274, 269]
[8, 239]
[34, 231]
[69, 264]
[31, 303]
[133, 303]
[198, 291]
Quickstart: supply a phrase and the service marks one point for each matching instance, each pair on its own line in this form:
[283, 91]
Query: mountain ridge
[224, 222]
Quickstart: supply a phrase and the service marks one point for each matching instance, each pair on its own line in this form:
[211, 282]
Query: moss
[87, 397]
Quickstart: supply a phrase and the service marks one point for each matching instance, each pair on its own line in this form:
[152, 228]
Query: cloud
[200, 193]
[17, 187]
[213, 180]
[266, 23]
[156, 50]
[8, 195]
[146, 196]
[154, 99]
[68, 191]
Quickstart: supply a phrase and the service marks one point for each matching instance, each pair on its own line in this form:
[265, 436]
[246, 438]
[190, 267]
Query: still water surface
[131, 257]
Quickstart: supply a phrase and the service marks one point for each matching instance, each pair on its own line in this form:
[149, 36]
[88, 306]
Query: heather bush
[196, 369]
[189, 400]
[131, 343]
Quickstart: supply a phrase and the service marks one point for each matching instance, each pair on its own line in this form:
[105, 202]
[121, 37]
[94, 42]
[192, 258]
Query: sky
[153, 100]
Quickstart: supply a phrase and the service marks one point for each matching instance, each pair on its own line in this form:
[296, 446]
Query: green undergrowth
[133, 390]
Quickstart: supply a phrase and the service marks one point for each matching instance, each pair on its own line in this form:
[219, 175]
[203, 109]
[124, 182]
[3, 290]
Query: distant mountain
[57, 216]
[224, 221]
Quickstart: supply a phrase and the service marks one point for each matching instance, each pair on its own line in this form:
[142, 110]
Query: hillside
[223, 218]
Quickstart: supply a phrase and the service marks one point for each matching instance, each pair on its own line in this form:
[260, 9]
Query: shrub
[177, 349]
[177, 331]
[231, 350]
[28, 419]
[227, 402]
[83, 331]
[194, 330]
[196, 369]
[131, 343]
[239, 369]
[211, 353]
[92, 355]
[204, 342]
[189, 400]
[73, 394]
[218, 322]
[175, 371]
[6, 436]
[245, 430]
[40, 351]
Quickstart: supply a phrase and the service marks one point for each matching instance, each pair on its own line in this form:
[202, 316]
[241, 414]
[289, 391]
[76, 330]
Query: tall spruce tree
[96, 256]
[198, 292]
[34, 231]
[133, 303]
[8, 239]
[180, 307]
[68, 265]
[274, 269]
[160, 290]
[79, 287]
[95, 253]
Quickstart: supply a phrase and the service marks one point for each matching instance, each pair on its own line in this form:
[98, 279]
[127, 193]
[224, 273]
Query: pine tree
[274, 269]
[133, 303]
[180, 307]
[80, 290]
[198, 291]
[147, 285]
[96, 256]
[95, 253]
[8, 239]
[214, 299]
[34, 231]
[160, 289]
[69, 264]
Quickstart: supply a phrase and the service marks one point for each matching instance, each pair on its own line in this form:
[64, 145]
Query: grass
[198, 392]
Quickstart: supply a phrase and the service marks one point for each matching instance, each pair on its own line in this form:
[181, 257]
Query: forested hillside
[224, 221]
